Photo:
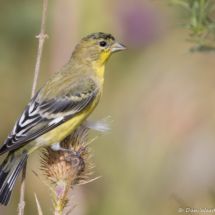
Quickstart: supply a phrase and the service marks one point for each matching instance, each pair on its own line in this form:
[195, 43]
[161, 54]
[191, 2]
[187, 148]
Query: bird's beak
[116, 47]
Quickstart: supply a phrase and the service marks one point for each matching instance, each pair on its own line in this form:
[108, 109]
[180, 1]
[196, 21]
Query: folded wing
[41, 116]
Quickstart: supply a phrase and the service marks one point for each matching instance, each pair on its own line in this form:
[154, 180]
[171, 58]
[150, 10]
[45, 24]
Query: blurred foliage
[200, 23]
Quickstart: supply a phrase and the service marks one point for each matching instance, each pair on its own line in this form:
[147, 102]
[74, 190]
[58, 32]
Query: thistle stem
[42, 38]
[61, 198]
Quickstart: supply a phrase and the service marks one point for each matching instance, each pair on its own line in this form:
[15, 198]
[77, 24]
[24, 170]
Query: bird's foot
[80, 161]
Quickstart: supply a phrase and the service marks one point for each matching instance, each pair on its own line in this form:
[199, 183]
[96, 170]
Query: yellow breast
[63, 130]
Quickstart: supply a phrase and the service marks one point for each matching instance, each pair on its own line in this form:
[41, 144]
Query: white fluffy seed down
[102, 125]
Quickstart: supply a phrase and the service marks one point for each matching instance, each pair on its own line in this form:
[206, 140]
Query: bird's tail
[9, 172]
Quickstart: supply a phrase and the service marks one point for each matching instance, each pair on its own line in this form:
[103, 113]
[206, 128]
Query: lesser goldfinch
[59, 107]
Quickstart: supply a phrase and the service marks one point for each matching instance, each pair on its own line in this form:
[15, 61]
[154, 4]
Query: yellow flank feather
[59, 107]
[61, 132]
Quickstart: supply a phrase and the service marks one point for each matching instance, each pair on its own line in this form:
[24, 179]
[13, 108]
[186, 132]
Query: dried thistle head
[58, 167]
[64, 170]
[55, 164]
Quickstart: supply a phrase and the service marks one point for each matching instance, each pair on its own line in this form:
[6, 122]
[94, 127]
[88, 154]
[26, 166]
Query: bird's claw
[80, 161]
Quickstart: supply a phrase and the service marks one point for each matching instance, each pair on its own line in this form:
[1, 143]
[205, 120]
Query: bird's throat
[100, 74]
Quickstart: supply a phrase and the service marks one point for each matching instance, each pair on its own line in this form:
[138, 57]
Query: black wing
[41, 117]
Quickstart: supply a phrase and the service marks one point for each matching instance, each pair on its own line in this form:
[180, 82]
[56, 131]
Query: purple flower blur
[141, 23]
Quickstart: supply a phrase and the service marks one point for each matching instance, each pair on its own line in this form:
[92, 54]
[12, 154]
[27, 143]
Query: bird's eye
[102, 43]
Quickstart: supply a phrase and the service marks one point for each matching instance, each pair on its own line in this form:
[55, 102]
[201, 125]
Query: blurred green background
[159, 155]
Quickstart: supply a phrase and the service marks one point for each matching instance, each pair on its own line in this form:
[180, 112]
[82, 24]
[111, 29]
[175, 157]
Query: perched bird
[58, 108]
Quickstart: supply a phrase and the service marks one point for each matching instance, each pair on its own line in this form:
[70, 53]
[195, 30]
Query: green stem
[202, 12]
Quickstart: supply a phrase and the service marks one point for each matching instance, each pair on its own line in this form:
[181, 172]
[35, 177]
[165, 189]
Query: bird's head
[96, 48]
